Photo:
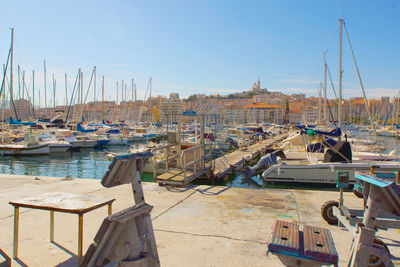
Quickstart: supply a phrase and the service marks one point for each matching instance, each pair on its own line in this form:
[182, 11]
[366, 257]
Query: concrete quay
[194, 226]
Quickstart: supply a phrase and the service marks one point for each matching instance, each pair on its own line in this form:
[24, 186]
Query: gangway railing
[197, 158]
[166, 160]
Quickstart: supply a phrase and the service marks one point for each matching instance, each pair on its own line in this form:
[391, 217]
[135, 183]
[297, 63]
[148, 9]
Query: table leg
[109, 209]
[51, 226]
[80, 237]
[16, 226]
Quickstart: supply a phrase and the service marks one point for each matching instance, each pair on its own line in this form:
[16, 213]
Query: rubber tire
[380, 242]
[326, 212]
[358, 194]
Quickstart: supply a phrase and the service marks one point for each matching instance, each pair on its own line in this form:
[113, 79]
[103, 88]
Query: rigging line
[29, 99]
[330, 78]
[72, 98]
[361, 84]
[5, 73]
[333, 89]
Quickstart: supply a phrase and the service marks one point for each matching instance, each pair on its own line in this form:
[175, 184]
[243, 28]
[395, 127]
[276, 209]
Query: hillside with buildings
[256, 105]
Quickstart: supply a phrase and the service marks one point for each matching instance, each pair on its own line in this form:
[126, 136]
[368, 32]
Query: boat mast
[340, 76]
[23, 85]
[45, 90]
[11, 75]
[126, 102]
[319, 103]
[136, 111]
[33, 88]
[151, 115]
[102, 99]
[397, 110]
[4, 102]
[66, 90]
[94, 95]
[122, 105]
[131, 109]
[54, 94]
[325, 104]
[19, 82]
[116, 104]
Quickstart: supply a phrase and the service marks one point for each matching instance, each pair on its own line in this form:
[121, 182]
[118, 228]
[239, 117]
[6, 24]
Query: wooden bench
[311, 247]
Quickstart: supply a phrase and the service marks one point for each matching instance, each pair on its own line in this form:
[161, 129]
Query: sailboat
[337, 158]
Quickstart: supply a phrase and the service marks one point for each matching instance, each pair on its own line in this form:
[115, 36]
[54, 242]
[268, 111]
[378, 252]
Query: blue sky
[206, 46]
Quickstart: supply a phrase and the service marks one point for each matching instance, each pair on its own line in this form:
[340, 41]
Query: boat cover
[27, 123]
[81, 129]
[334, 133]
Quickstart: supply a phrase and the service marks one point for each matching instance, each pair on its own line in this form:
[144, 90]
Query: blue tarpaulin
[27, 123]
[81, 129]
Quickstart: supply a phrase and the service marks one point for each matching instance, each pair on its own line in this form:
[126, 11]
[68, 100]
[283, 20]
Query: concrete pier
[194, 226]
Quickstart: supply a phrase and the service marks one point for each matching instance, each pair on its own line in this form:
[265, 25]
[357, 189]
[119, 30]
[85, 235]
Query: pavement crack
[174, 205]
[209, 235]
[297, 208]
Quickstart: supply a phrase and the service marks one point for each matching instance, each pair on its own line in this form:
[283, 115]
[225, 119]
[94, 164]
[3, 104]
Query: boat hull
[89, 144]
[118, 142]
[323, 173]
[20, 150]
[59, 148]
[76, 144]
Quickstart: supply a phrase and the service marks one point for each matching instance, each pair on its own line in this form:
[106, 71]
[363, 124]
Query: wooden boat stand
[125, 238]
[313, 246]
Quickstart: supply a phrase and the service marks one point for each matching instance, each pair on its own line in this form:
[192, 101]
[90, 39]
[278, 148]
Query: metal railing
[197, 158]
[166, 159]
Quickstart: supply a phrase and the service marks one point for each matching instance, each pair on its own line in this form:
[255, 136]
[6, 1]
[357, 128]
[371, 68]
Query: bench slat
[285, 238]
[319, 245]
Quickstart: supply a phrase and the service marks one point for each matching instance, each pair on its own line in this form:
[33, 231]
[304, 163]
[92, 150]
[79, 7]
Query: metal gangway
[195, 138]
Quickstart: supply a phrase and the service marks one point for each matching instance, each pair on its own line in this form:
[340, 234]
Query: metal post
[80, 238]
[109, 209]
[51, 226]
[16, 228]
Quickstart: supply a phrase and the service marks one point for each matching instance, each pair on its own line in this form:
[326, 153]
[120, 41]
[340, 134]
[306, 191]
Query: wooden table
[60, 202]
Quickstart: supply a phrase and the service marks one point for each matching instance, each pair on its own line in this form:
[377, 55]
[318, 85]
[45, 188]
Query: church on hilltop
[256, 87]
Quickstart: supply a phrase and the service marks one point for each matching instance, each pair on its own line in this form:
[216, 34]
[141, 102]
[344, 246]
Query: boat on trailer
[337, 160]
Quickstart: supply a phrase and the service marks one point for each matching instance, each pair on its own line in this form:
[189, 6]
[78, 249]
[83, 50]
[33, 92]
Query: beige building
[23, 109]
[262, 113]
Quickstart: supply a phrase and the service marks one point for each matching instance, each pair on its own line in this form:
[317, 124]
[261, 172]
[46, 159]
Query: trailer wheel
[358, 194]
[375, 261]
[327, 212]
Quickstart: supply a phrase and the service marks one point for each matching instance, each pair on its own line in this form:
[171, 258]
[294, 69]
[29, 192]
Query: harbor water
[93, 163]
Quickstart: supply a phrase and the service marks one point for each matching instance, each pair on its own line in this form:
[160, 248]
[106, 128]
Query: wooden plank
[285, 238]
[63, 202]
[319, 245]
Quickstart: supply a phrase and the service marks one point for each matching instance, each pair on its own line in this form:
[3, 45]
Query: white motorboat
[55, 146]
[324, 173]
[337, 159]
[87, 141]
[26, 146]
[65, 135]
[24, 150]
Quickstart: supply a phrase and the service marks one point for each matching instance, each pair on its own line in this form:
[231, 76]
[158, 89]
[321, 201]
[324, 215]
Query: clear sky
[206, 46]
